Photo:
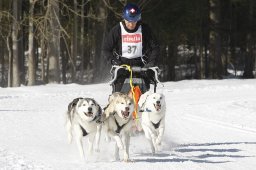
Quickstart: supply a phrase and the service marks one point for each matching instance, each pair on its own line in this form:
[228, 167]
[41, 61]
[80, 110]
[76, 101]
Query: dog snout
[89, 109]
[127, 108]
[158, 102]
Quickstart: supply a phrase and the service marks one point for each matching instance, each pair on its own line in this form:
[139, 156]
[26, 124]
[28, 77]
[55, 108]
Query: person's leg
[118, 84]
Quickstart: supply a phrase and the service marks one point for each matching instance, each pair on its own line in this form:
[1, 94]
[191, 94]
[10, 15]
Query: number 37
[132, 49]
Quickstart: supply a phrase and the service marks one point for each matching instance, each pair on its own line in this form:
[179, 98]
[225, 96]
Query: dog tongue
[125, 113]
[158, 107]
[89, 114]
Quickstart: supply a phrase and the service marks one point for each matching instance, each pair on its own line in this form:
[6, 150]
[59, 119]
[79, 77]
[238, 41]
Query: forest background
[60, 41]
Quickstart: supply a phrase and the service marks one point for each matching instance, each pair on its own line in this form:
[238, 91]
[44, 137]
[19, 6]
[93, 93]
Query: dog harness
[156, 125]
[96, 118]
[84, 131]
[119, 128]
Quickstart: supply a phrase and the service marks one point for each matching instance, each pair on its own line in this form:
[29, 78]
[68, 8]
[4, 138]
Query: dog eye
[160, 98]
[122, 102]
[92, 104]
[130, 104]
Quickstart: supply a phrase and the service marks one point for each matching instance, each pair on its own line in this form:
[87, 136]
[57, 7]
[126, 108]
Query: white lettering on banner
[135, 38]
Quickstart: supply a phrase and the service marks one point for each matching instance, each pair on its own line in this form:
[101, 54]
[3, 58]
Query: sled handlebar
[136, 69]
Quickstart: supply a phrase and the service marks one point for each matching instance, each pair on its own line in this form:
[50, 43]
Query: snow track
[209, 125]
[221, 124]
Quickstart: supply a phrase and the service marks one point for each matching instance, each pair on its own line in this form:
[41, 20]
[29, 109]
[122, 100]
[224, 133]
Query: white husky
[83, 118]
[152, 106]
[118, 123]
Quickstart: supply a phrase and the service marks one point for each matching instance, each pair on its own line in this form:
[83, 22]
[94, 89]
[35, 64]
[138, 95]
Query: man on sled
[132, 50]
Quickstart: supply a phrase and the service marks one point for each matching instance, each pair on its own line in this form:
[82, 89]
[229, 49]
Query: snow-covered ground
[210, 124]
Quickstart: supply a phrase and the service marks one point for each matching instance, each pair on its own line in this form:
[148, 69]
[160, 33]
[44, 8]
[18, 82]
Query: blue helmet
[131, 12]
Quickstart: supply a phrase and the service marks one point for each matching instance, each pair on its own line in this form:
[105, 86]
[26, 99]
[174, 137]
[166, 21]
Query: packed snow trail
[210, 124]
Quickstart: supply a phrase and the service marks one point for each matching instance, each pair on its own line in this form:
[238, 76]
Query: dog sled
[134, 80]
[134, 77]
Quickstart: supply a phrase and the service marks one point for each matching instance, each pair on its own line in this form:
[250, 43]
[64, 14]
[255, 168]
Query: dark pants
[119, 85]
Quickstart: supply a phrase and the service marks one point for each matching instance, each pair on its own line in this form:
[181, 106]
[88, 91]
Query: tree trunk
[216, 66]
[2, 53]
[100, 25]
[82, 42]
[2, 63]
[249, 57]
[171, 60]
[31, 50]
[74, 43]
[15, 42]
[10, 66]
[43, 56]
[53, 49]
[64, 56]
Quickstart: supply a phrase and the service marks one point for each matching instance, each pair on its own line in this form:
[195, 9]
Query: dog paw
[128, 161]
[126, 157]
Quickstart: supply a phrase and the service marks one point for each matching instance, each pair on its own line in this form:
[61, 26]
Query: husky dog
[118, 122]
[83, 119]
[152, 108]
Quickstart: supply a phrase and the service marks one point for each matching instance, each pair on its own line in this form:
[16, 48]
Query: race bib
[131, 43]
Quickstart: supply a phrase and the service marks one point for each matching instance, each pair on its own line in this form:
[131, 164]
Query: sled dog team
[85, 118]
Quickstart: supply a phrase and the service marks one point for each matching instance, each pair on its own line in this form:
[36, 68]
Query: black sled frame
[137, 80]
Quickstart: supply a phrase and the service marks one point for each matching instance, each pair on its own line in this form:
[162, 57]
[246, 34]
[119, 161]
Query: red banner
[134, 38]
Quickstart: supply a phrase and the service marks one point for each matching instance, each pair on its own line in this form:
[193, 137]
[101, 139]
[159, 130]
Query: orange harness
[136, 93]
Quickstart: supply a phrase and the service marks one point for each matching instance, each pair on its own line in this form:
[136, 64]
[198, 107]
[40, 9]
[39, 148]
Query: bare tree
[15, 42]
[2, 51]
[216, 65]
[74, 44]
[31, 50]
[250, 44]
[53, 49]
[100, 27]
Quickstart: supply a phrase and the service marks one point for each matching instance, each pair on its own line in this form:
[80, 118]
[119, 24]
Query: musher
[131, 42]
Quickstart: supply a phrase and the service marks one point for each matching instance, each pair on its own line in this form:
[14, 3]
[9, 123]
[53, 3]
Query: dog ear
[112, 96]
[130, 94]
[73, 103]
[143, 99]
[109, 109]
[97, 105]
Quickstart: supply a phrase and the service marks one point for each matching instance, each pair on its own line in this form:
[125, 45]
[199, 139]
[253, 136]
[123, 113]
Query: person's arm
[111, 44]
[152, 50]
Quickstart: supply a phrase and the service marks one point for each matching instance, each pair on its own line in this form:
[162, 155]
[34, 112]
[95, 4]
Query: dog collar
[147, 110]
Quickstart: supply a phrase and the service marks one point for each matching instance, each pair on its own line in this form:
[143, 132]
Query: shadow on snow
[184, 153]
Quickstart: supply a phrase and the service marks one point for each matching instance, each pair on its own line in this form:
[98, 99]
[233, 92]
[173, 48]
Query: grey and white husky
[82, 120]
[118, 123]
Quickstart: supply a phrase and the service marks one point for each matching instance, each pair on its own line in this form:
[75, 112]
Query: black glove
[116, 62]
